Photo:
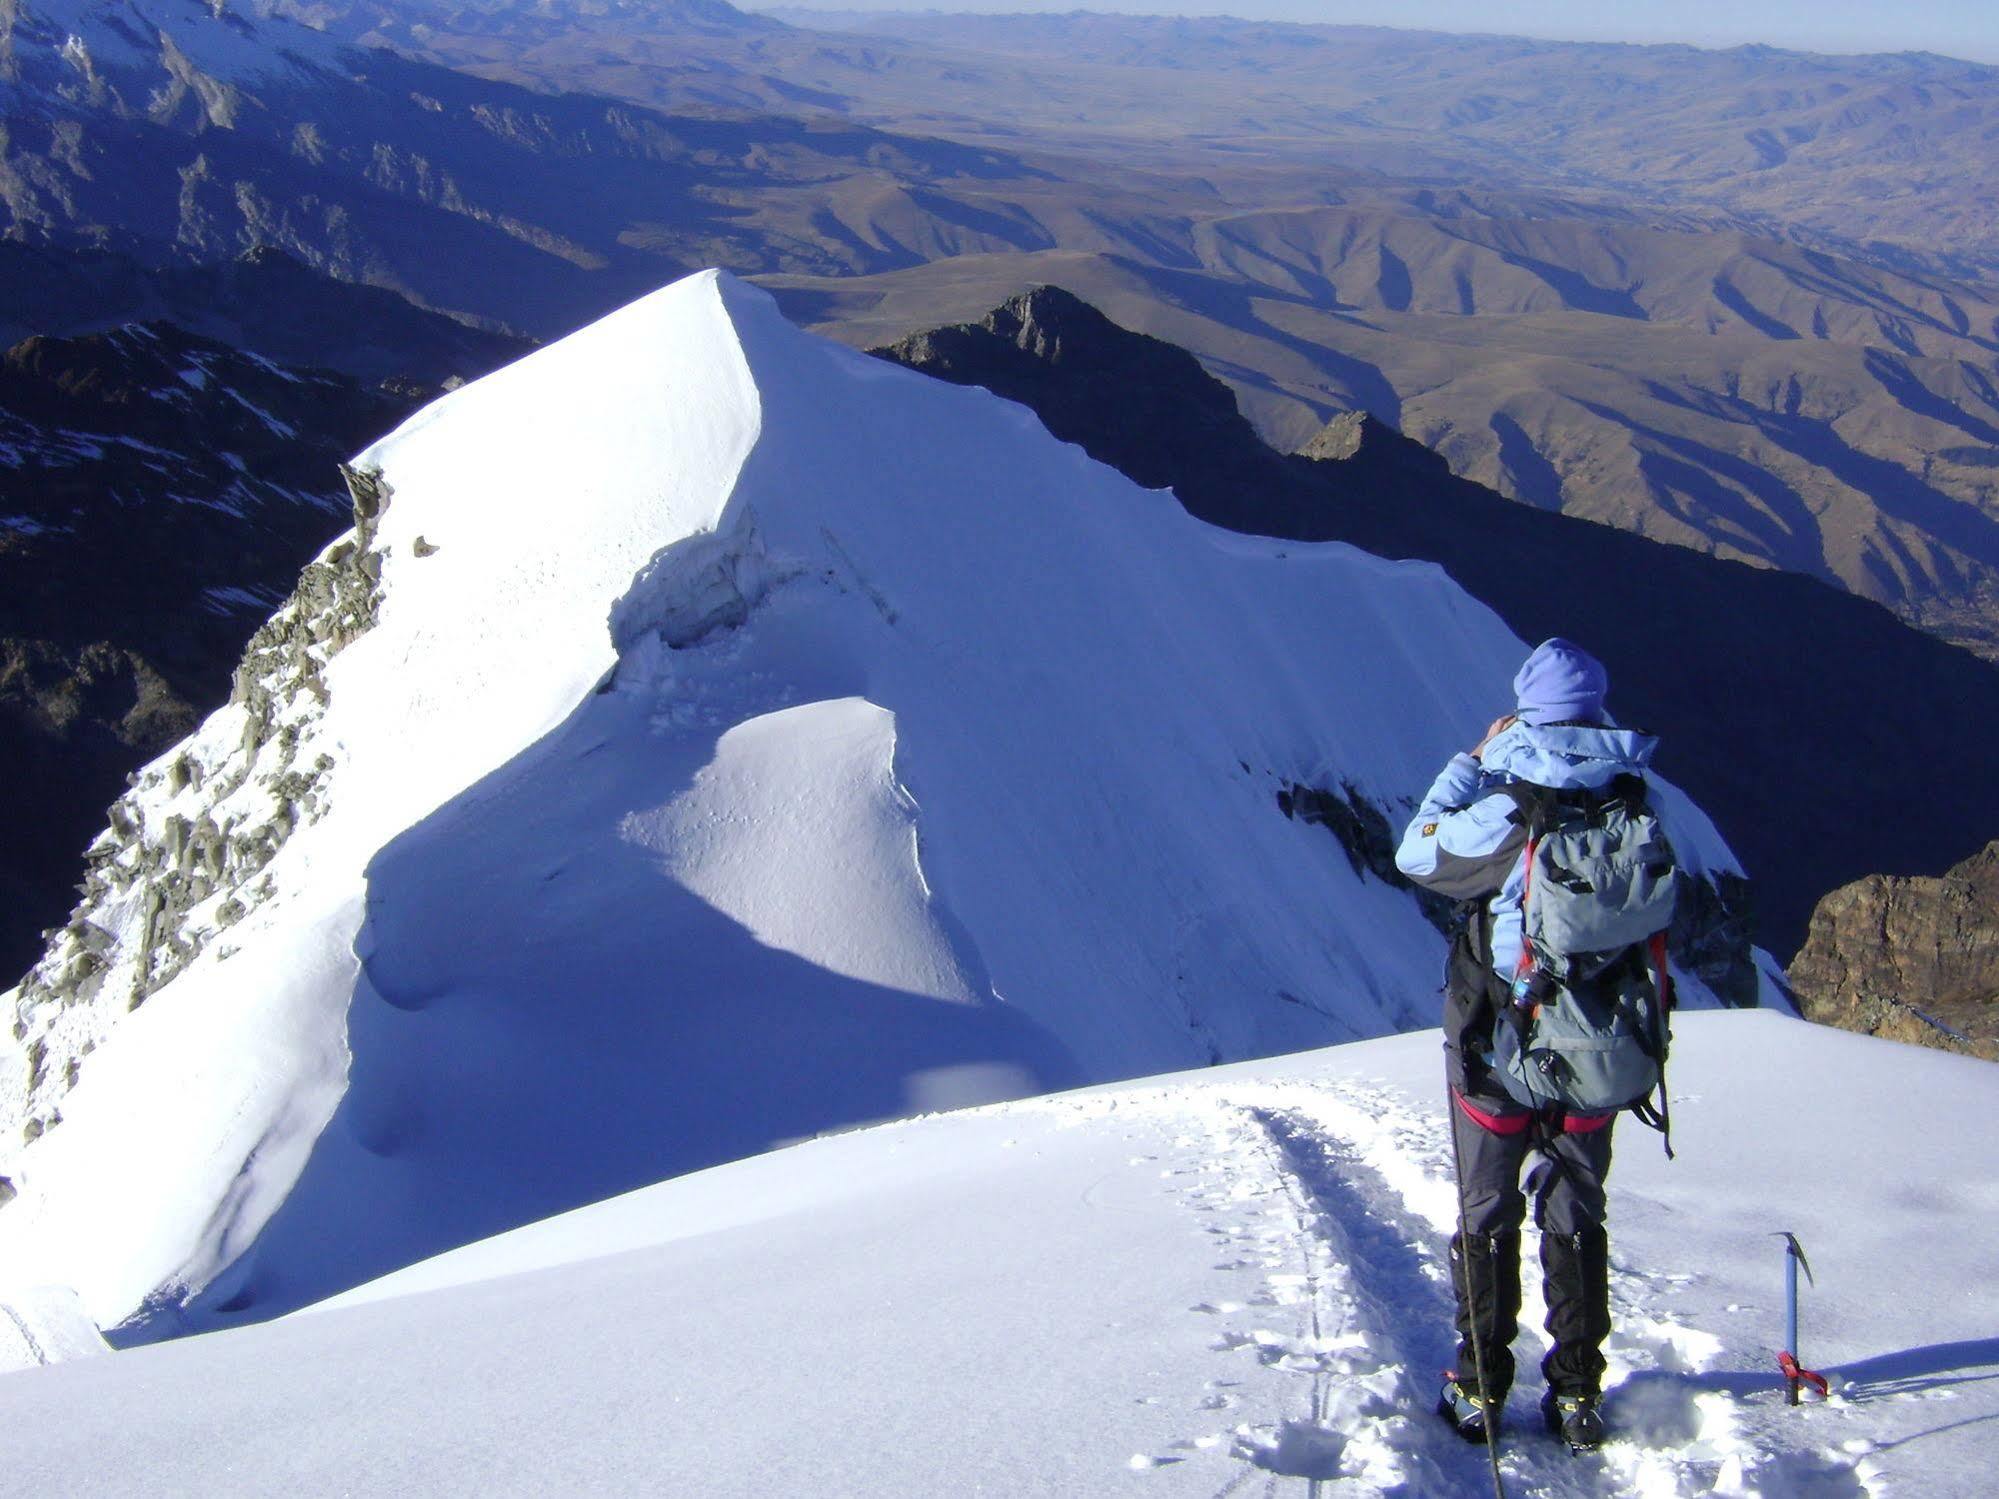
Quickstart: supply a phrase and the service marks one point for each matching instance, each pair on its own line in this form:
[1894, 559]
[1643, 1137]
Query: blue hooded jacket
[1466, 838]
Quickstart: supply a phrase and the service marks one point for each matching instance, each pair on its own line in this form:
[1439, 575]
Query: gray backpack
[1586, 1030]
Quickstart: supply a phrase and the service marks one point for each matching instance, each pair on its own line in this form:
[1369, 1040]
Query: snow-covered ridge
[729, 738]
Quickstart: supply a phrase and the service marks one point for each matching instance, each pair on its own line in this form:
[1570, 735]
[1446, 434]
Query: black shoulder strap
[1473, 917]
[1534, 806]
[1538, 806]
[1629, 788]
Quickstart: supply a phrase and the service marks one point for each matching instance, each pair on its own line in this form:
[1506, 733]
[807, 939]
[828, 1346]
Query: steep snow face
[752, 739]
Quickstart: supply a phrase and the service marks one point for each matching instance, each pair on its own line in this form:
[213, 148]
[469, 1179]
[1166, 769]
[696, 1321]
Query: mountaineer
[1554, 1020]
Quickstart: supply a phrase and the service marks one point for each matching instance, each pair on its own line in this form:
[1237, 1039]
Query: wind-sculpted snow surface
[752, 740]
[1226, 1282]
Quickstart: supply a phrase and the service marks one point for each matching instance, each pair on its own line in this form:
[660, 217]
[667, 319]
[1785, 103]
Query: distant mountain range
[1891, 154]
[174, 133]
[1739, 301]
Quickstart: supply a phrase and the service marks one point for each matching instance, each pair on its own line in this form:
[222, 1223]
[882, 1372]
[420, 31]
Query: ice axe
[1794, 1374]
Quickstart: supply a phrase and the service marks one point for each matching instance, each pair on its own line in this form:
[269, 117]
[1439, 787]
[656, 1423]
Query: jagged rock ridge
[183, 858]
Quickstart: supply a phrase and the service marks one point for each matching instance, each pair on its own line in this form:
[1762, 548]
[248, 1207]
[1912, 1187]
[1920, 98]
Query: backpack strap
[1536, 806]
[1660, 1118]
[1524, 968]
[1629, 788]
[1533, 806]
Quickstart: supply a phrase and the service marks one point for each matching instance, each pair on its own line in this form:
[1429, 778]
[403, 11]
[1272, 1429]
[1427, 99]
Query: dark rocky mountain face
[1911, 959]
[159, 493]
[263, 300]
[1783, 705]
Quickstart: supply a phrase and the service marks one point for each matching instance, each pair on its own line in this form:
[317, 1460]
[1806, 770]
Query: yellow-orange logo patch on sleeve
[1429, 830]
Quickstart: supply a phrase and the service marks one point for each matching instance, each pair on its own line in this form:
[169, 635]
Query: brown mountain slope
[1741, 397]
[1893, 152]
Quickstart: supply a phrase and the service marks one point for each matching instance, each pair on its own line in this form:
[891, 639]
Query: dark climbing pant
[1567, 1186]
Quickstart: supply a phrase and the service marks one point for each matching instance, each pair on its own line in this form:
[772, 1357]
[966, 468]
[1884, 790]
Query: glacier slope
[753, 740]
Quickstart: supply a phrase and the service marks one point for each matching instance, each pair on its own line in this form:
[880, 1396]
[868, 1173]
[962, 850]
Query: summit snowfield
[711, 737]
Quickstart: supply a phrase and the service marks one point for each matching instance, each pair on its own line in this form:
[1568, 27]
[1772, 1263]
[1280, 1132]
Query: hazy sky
[1957, 28]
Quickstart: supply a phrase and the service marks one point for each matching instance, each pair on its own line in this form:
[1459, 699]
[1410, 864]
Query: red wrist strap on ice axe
[1795, 1375]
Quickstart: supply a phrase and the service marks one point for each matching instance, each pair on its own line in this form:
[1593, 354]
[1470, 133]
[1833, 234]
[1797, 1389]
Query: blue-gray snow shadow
[545, 1017]
[1909, 1371]
[1656, 1406]
[1918, 1371]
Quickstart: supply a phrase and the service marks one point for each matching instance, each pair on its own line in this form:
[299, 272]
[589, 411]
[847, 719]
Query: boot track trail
[1328, 1209]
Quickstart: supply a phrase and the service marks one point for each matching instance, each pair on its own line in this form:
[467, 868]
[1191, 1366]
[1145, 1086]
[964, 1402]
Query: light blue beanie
[1560, 681]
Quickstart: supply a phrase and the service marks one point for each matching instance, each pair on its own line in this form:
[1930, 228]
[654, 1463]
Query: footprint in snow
[1654, 1410]
[1293, 1449]
[1656, 1342]
[1800, 1475]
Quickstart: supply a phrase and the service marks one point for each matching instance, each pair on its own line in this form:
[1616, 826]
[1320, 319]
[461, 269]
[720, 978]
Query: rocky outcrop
[183, 858]
[1364, 831]
[1352, 433]
[1910, 958]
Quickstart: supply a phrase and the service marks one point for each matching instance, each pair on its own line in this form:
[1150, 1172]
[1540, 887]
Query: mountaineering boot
[1465, 1410]
[1574, 1419]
